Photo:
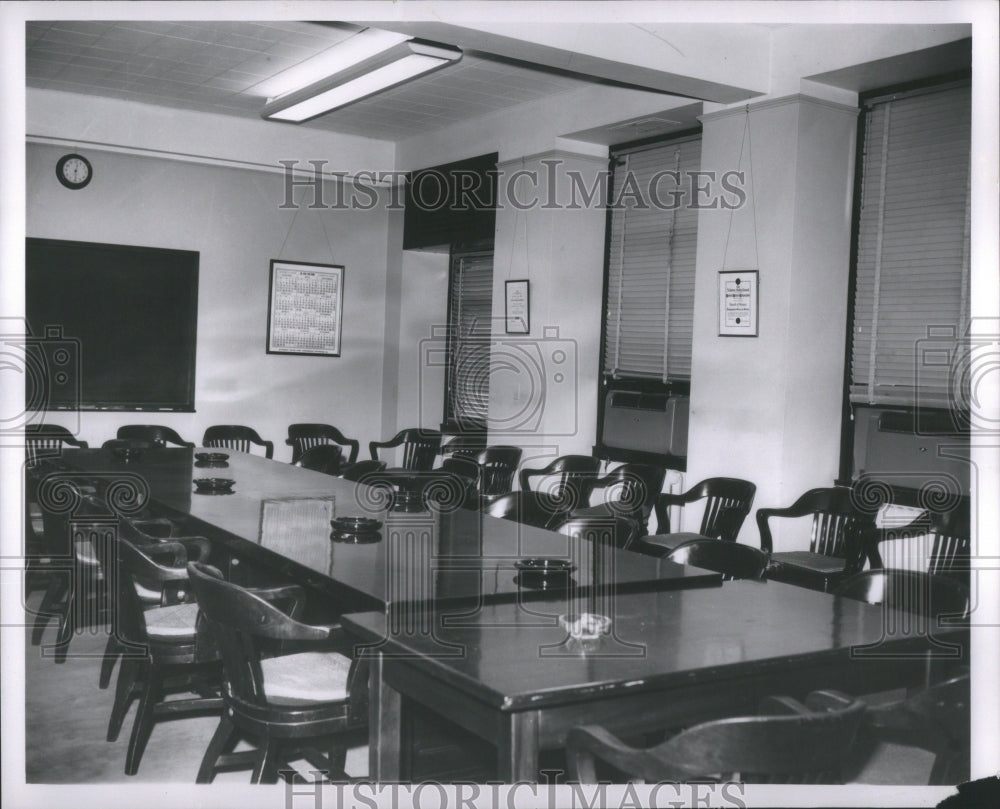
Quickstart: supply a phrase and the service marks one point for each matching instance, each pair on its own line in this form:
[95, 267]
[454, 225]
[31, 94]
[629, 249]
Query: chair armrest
[197, 548]
[291, 595]
[144, 525]
[168, 554]
[766, 540]
[586, 742]
[780, 706]
[524, 477]
[375, 446]
[829, 700]
[268, 449]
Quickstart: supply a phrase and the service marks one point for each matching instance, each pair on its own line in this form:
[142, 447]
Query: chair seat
[662, 544]
[175, 621]
[305, 678]
[811, 561]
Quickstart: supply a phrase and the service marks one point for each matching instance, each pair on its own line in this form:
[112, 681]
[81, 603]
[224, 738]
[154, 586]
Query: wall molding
[78, 144]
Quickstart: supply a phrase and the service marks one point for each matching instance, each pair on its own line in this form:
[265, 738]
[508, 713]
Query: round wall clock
[74, 171]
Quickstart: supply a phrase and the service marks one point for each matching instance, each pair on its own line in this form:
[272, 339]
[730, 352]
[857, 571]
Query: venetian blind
[651, 258]
[471, 306]
[912, 297]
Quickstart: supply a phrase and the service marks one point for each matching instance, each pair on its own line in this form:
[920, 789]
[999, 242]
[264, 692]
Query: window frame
[673, 387]
[931, 414]
[449, 423]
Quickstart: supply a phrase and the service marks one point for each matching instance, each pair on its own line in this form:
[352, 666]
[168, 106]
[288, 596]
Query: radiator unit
[887, 448]
[646, 422]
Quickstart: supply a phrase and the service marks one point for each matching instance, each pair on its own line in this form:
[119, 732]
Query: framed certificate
[305, 308]
[738, 303]
[517, 310]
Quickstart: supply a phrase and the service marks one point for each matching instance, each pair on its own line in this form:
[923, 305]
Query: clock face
[73, 171]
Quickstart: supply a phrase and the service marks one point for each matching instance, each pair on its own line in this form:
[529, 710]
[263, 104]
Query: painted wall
[768, 408]
[543, 386]
[232, 218]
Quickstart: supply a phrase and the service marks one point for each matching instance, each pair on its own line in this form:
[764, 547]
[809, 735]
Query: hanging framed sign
[738, 303]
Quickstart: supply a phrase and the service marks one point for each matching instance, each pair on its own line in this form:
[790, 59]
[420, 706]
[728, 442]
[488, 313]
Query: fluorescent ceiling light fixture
[356, 48]
[400, 63]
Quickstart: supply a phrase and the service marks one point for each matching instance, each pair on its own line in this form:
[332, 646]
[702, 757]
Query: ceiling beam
[720, 63]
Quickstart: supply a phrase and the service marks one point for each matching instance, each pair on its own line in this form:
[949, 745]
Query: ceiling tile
[214, 66]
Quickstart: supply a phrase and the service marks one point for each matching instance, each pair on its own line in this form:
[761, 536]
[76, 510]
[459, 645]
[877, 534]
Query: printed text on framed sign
[517, 307]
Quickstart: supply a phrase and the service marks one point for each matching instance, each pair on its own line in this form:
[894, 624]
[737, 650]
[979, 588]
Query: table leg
[517, 748]
[385, 726]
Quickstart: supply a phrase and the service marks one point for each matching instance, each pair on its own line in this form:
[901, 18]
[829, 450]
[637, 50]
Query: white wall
[543, 386]
[767, 408]
[232, 218]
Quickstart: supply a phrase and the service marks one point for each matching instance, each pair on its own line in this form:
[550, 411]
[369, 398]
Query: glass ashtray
[586, 627]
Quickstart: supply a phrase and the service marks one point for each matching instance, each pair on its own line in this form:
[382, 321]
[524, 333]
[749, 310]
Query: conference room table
[512, 676]
[278, 520]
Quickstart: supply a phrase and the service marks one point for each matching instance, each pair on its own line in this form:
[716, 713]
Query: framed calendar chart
[305, 308]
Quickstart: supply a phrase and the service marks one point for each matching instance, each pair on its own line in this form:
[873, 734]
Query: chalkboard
[114, 327]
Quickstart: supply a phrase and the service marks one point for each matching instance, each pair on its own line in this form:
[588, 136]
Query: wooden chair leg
[53, 595]
[112, 651]
[128, 674]
[221, 740]
[338, 759]
[145, 718]
[265, 770]
[67, 626]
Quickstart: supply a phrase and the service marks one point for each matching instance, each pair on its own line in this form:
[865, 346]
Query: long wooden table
[278, 518]
[511, 675]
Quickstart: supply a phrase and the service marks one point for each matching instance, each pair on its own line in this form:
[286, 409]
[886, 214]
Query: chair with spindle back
[307, 703]
[76, 593]
[236, 437]
[492, 469]
[303, 437]
[635, 488]
[420, 448]
[568, 480]
[325, 458]
[42, 440]
[727, 503]
[935, 541]
[841, 538]
[154, 433]
[788, 743]
[160, 650]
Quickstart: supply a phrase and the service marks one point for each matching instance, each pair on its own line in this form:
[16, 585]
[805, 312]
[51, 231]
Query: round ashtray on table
[356, 530]
[213, 485]
[211, 458]
[542, 573]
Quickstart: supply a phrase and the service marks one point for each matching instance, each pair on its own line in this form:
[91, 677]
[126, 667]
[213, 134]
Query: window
[470, 311]
[651, 260]
[912, 272]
